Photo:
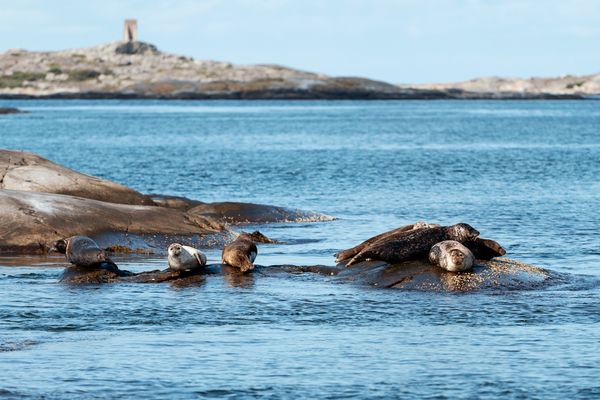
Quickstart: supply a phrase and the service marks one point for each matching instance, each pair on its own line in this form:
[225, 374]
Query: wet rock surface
[497, 274]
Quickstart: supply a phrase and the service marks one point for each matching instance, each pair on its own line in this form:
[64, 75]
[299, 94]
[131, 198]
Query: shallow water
[523, 173]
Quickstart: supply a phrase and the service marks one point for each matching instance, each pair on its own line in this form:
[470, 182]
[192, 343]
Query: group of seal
[453, 248]
[449, 247]
[84, 252]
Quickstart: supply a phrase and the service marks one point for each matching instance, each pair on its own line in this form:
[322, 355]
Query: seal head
[451, 256]
[462, 232]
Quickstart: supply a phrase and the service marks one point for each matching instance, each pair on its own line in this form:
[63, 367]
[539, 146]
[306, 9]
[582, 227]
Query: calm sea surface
[524, 173]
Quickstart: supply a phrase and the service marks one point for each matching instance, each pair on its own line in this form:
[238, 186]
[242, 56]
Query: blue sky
[399, 41]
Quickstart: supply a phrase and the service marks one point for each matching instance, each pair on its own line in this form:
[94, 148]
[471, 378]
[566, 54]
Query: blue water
[523, 173]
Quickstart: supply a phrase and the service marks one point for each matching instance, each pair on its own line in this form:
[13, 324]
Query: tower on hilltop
[130, 30]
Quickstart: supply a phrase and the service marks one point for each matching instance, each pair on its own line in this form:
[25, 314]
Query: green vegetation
[575, 84]
[55, 68]
[18, 78]
[80, 75]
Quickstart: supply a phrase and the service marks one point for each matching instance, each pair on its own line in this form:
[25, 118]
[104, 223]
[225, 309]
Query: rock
[11, 110]
[141, 48]
[239, 213]
[25, 171]
[139, 70]
[30, 221]
[248, 213]
[497, 274]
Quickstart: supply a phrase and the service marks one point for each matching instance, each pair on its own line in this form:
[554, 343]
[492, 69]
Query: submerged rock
[11, 110]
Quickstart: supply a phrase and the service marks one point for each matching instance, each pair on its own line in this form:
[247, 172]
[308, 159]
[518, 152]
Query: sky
[398, 41]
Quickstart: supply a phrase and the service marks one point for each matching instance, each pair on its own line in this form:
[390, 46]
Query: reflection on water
[523, 173]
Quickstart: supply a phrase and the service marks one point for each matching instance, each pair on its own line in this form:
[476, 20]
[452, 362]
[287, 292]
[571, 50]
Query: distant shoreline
[296, 96]
[138, 70]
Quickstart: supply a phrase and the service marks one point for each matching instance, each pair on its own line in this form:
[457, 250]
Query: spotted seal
[415, 244]
[240, 253]
[401, 231]
[451, 256]
[83, 251]
[182, 258]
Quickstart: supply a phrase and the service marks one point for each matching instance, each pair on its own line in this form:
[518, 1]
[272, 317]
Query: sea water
[525, 173]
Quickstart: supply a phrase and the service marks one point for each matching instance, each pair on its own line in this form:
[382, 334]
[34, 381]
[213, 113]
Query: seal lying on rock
[240, 253]
[451, 256]
[83, 252]
[415, 244]
[403, 230]
[183, 258]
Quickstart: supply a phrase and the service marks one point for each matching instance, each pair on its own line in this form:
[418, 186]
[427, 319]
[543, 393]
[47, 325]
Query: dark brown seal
[83, 251]
[401, 231]
[485, 249]
[414, 245]
[240, 253]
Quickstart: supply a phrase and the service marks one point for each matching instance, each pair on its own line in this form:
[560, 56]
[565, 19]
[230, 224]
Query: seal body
[415, 244]
[183, 258]
[485, 249]
[451, 256]
[401, 231]
[83, 251]
[240, 253]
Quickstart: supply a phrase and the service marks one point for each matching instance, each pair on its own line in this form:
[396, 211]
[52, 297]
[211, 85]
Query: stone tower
[130, 30]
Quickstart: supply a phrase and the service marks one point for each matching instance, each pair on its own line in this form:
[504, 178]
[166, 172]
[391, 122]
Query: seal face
[83, 251]
[240, 253]
[451, 256]
[183, 258]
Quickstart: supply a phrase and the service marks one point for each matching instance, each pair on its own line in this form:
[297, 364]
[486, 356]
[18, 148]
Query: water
[523, 173]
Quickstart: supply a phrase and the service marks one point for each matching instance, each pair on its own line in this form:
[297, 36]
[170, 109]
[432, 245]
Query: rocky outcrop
[41, 201]
[22, 170]
[498, 88]
[10, 110]
[496, 274]
[30, 221]
[139, 70]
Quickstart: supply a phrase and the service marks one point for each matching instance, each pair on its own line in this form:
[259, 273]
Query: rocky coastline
[138, 70]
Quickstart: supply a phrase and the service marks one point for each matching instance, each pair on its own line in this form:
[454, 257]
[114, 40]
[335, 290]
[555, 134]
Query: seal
[182, 258]
[451, 256]
[84, 252]
[240, 253]
[403, 230]
[485, 249]
[415, 244]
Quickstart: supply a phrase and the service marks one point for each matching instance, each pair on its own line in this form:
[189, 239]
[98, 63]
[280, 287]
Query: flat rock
[10, 110]
[235, 213]
[22, 170]
[248, 213]
[496, 274]
[30, 221]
